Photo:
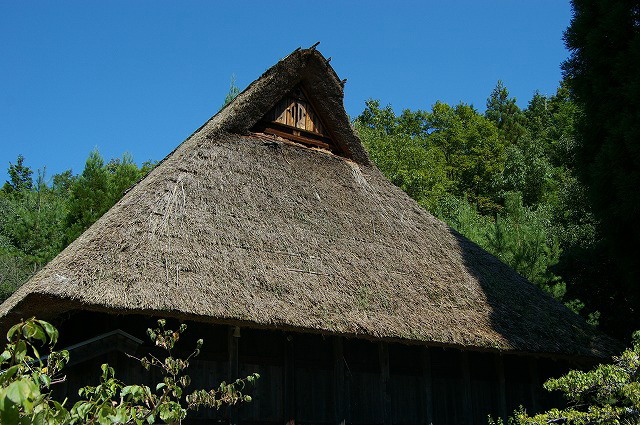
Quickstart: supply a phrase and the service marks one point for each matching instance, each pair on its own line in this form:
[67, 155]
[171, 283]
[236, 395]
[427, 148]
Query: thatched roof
[235, 227]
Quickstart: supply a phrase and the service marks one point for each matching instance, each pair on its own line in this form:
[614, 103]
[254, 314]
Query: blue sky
[140, 76]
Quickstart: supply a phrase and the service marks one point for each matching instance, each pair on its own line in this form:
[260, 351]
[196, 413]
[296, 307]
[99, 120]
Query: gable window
[295, 111]
[294, 118]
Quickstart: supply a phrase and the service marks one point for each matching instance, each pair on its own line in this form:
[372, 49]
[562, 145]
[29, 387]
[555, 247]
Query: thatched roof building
[245, 225]
[272, 218]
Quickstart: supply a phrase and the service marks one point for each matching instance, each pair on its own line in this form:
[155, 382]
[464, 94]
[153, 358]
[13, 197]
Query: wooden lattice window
[295, 111]
[294, 118]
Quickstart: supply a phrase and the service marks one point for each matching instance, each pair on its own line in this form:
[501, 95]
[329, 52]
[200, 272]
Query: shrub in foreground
[27, 376]
[609, 394]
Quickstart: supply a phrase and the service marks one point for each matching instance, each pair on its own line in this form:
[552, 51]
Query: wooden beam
[428, 386]
[289, 382]
[298, 138]
[117, 340]
[502, 388]
[466, 394]
[385, 390]
[233, 370]
[339, 393]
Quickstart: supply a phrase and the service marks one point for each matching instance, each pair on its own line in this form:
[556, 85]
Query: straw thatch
[241, 228]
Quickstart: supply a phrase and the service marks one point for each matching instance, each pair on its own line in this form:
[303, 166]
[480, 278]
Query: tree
[397, 147]
[20, 177]
[63, 182]
[505, 113]
[233, 92]
[31, 226]
[523, 238]
[98, 188]
[602, 74]
[89, 195]
[38, 220]
[473, 152]
[26, 380]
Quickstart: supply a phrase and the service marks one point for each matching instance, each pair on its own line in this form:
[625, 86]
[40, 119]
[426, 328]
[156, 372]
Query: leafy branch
[26, 380]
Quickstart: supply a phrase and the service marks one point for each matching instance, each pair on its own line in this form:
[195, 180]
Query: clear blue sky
[140, 76]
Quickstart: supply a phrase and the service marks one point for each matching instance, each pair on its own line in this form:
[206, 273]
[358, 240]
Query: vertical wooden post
[466, 394]
[340, 393]
[233, 370]
[502, 388]
[534, 383]
[385, 396]
[428, 386]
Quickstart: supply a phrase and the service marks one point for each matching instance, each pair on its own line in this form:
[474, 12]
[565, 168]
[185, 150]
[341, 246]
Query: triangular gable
[304, 72]
[294, 117]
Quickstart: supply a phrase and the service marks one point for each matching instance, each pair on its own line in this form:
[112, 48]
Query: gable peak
[305, 84]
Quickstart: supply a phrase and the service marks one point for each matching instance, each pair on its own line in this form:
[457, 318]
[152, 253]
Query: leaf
[121, 416]
[21, 391]
[31, 330]
[51, 331]
[81, 409]
[46, 380]
[20, 350]
[6, 355]
[136, 392]
[8, 374]
[13, 330]
[8, 411]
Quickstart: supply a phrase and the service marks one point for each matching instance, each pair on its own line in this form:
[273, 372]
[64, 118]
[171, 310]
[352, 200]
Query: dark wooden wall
[314, 380]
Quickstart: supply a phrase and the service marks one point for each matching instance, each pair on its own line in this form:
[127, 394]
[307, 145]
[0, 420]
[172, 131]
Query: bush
[26, 380]
[608, 394]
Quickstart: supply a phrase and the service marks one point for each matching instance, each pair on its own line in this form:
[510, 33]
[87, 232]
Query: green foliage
[609, 394]
[505, 179]
[523, 238]
[26, 381]
[233, 92]
[448, 150]
[473, 152]
[20, 177]
[419, 171]
[15, 269]
[505, 114]
[98, 188]
[38, 220]
[602, 75]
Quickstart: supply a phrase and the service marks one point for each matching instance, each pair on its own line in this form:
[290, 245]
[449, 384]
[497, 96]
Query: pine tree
[20, 177]
[233, 92]
[505, 113]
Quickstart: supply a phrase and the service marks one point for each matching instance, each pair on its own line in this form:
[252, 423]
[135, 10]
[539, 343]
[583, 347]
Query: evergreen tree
[38, 220]
[20, 177]
[602, 73]
[505, 113]
[89, 196]
[233, 92]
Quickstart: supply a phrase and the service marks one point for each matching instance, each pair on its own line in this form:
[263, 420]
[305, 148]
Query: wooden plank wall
[321, 380]
[333, 380]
